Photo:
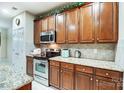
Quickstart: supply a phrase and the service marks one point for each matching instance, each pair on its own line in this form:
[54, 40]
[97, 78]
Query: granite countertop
[11, 80]
[89, 62]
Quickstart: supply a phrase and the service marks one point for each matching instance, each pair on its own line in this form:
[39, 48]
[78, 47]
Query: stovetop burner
[47, 55]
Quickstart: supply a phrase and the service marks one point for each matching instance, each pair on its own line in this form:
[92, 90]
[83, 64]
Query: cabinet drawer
[108, 73]
[84, 69]
[54, 63]
[67, 65]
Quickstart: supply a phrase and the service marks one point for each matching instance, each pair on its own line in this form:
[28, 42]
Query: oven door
[41, 68]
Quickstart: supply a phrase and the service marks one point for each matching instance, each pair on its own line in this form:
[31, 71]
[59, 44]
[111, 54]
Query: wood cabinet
[102, 83]
[106, 21]
[62, 78]
[54, 74]
[67, 79]
[29, 66]
[87, 24]
[51, 23]
[60, 28]
[69, 76]
[108, 80]
[83, 81]
[44, 24]
[37, 30]
[84, 77]
[72, 26]
[91, 23]
[48, 23]
[26, 87]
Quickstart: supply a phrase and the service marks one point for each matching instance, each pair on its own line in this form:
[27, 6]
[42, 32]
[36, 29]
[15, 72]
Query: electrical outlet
[95, 51]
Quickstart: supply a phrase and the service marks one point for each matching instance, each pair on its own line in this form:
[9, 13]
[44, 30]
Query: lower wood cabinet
[69, 76]
[54, 76]
[29, 66]
[67, 79]
[83, 81]
[102, 83]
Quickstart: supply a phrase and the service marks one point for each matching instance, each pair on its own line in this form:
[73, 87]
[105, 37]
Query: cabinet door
[37, 30]
[67, 79]
[72, 26]
[83, 81]
[60, 28]
[30, 66]
[44, 24]
[106, 22]
[86, 24]
[102, 83]
[54, 76]
[51, 23]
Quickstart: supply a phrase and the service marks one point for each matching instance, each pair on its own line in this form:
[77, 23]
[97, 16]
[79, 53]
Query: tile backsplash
[104, 52]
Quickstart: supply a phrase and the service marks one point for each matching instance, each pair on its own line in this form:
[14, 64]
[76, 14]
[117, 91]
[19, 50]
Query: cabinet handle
[97, 39]
[106, 74]
[61, 71]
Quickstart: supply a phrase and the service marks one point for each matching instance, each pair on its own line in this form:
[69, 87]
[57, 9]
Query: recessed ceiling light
[14, 8]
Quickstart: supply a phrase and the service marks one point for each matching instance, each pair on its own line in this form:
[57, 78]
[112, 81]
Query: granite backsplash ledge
[104, 52]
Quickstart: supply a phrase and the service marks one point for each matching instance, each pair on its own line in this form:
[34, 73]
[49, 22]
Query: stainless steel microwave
[47, 37]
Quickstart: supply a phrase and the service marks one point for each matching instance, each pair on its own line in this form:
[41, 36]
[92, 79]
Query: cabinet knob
[83, 69]
[96, 80]
[106, 74]
[97, 39]
[91, 79]
[61, 71]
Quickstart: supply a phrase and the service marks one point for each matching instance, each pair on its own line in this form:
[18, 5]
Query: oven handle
[40, 61]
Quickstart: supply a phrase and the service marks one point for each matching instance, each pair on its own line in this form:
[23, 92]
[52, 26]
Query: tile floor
[38, 86]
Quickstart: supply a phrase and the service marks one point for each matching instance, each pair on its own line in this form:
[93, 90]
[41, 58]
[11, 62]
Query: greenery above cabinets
[60, 9]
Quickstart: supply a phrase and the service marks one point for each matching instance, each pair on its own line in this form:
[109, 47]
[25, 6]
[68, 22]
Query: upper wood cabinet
[48, 23]
[72, 25]
[86, 24]
[106, 24]
[45, 24]
[51, 23]
[60, 28]
[37, 30]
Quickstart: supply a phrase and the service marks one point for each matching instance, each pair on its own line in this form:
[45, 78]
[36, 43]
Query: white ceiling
[32, 7]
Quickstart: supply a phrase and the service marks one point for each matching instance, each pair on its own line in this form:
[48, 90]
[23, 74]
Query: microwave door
[44, 38]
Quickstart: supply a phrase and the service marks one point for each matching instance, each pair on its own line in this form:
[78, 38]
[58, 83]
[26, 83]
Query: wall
[3, 43]
[90, 51]
[6, 25]
[25, 43]
[119, 59]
